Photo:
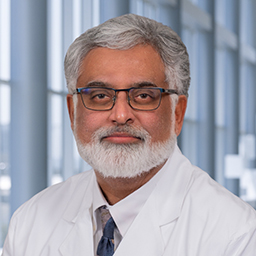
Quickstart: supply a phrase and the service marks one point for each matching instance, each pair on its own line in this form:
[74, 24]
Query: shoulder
[46, 213]
[57, 196]
[203, 190]
[42, 214]
[209, 216]
[193, 190]
[217, 210]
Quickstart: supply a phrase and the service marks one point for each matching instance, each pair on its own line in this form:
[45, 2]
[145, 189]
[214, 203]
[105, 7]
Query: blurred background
[37, 148]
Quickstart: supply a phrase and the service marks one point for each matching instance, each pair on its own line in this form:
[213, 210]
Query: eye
[143, 95]
[99, 96]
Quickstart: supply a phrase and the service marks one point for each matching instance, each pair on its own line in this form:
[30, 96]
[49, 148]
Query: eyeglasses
[101, 99]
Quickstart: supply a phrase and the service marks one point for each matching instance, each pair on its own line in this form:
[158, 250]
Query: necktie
[106, 244]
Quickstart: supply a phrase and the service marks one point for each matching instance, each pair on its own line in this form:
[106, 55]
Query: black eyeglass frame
[162, 90]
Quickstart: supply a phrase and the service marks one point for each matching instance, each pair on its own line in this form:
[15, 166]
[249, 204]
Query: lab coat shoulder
[216, 200]
[221, 219]
[55, 199]
[43, 213]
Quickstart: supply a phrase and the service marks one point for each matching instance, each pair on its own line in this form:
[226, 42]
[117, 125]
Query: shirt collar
[98, 201]
[125, 211]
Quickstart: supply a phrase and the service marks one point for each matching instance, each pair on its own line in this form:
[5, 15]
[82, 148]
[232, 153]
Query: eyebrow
[97, 84]
[107, 85]
[144, 84]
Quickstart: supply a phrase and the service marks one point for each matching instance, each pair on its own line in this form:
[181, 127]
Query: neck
[116, 189]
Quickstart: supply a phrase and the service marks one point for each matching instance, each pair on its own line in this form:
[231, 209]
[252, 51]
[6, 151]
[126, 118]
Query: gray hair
[125, 32]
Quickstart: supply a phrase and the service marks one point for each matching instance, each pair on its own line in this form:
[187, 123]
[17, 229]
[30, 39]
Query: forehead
[141, 63]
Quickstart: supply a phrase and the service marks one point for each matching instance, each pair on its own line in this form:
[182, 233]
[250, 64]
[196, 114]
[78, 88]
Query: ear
[70, 105]
[180, 113]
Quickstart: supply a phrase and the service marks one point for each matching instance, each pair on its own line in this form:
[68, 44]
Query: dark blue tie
[106, 244]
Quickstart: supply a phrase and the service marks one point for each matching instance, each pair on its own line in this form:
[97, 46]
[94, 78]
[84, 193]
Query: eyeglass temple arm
[77, 91]
[170, 91]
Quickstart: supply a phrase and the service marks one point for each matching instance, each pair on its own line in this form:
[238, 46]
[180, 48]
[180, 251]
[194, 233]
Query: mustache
[103, 132]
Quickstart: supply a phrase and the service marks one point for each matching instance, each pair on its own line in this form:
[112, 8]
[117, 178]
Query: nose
[122, 113]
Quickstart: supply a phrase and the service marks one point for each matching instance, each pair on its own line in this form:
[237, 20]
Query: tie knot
[104, 215]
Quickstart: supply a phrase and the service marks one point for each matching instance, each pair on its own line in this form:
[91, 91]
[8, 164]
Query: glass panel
[96, 12]
[227, 13]
[231, 14]
[139, 7]
[5, 104]
[149, 11]
[5, 182]
[220, 12]
[231, 105]
[219, 154]
[243, 100]
[194, 1]
[250, 99]
[250, 19]
[189, 38]
[220, 89]
[206, 5]
[203, 4]
[56, 138]
[77, 25]
[5, 40]
[55, 46]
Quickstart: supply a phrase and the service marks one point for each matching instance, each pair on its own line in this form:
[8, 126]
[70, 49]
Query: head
[121, 53]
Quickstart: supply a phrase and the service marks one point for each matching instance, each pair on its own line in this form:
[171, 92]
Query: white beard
[125, 160]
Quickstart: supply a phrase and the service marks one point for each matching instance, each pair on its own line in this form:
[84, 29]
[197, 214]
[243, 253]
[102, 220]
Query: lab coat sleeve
[243, 244]
[16, 240]
[8, 248]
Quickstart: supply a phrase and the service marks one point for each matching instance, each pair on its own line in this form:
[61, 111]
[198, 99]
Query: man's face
[121, 69]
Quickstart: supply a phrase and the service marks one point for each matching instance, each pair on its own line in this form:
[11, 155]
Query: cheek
[81, 127]
[86, 123]
[165, 123]
[158, 125]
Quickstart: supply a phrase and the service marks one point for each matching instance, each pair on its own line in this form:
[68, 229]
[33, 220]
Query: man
[128, 81]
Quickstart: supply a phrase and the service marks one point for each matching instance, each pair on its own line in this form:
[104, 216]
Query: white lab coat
[187, 214]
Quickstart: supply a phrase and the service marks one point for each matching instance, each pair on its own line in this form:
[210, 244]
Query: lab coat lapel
[144, 235]
[79, 241]
[77, 217]
[172, 188]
